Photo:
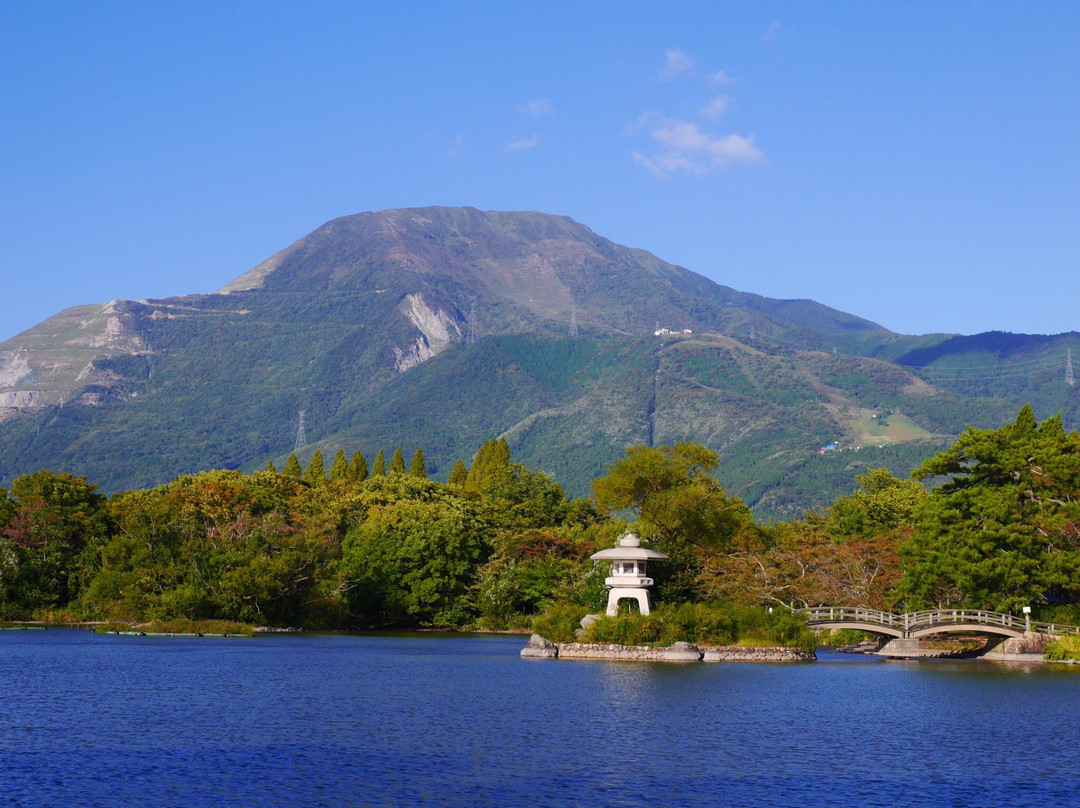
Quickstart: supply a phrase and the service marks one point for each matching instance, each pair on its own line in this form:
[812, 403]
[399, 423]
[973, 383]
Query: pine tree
[458, 475]
[418, 468]
[270, 466]
[339, 471]
[358, 468]
[397, 463]
[315, 473]
[292, 467]
[378, 468]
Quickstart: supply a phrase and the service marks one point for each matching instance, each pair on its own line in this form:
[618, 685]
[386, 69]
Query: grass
[713, 624]
[1063, 649]
[898, 428]
[182, 626]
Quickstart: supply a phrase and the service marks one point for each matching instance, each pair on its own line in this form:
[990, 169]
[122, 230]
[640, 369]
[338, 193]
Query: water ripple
[345, 720]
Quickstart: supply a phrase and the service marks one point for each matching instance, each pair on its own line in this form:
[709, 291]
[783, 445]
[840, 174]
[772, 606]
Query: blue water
[344, 720]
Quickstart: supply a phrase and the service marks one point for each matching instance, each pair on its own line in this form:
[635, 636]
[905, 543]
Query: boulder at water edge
[539, 648]
[681, 652]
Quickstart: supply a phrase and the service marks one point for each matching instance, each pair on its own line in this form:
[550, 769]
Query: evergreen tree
[1000, 532]
[292, 467]
[270, 467]
[502, 452]
[458, 475]
[492, 460]
[339, 471]
[316, 471]
[378, 468]
[418, 468]
[397, 463]
[358, 471]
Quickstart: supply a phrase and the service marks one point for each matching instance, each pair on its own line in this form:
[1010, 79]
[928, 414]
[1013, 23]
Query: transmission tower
[470, 328]
[573, 322]
[753, 334]
[1069, 379]
[301, 438]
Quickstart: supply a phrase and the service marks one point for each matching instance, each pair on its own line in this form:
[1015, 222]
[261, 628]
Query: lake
[461, 720]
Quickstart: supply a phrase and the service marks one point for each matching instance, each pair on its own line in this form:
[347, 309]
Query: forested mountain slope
[442, 327]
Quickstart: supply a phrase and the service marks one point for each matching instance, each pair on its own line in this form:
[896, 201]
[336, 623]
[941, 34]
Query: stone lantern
[628, 572]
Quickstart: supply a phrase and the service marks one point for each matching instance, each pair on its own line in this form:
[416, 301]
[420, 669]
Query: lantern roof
[628, 549]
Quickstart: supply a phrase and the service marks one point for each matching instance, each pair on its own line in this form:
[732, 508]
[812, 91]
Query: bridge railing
[910, 621]
[980, 617]
[859, 614]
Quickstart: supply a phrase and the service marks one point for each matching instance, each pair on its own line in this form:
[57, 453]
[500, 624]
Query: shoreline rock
[747, 653]
[539, 648]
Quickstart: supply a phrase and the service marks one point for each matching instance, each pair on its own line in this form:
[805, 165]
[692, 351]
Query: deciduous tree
[54, 530]
[680, 507]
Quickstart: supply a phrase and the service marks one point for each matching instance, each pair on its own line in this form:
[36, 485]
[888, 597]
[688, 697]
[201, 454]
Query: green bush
[560, 623]
[1063, 648]
[626, 629]
[705, 624]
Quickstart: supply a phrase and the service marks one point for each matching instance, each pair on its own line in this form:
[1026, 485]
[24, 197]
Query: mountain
[441, 327]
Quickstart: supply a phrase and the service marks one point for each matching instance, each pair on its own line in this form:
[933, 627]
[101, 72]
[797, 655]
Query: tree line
[992, 523]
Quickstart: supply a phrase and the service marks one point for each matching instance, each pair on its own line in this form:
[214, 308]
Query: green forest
[993, 522]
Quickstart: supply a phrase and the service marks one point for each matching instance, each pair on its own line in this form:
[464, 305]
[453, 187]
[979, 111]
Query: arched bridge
[912, 625]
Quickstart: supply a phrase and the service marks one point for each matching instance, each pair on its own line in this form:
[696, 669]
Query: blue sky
[915, 164]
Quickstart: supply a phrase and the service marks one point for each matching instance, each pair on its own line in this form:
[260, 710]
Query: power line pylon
[573, 322]
[1069, 378]
[301, 438]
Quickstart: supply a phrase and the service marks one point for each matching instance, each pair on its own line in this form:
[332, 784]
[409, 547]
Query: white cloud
[720, 77]
[715, 108]
[676, 62]
[541, 106]
[524, 144]
[686, 149]
[771, 32]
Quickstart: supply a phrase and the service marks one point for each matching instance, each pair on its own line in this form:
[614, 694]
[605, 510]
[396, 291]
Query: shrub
[626, 629]
[1063, 648]
[559, 623]
[705, 624]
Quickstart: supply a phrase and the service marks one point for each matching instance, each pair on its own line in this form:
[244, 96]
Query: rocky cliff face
[48, 364]
[437, 329]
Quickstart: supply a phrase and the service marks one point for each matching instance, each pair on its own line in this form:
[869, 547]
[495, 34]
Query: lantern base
[621, 593]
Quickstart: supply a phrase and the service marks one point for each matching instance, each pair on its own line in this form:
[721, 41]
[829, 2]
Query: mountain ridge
[450, 325]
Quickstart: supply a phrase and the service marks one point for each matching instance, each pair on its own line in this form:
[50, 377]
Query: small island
[500, 547]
